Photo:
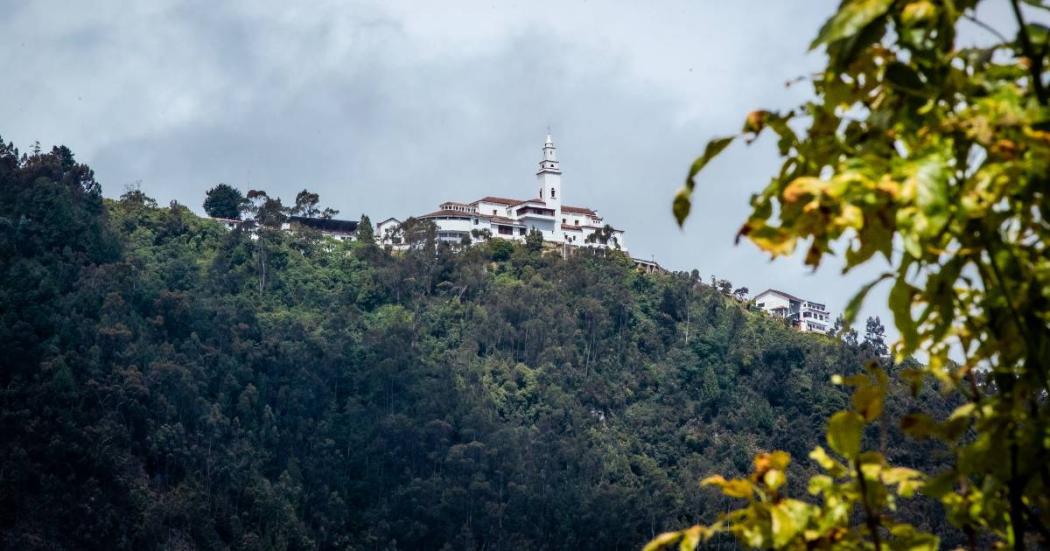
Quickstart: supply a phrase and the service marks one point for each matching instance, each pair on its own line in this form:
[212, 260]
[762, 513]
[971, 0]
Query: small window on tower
[552, 193]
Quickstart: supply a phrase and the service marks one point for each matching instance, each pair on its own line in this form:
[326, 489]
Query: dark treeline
[169, 384]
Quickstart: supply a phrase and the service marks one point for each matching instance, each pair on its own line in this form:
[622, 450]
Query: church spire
[550, 158]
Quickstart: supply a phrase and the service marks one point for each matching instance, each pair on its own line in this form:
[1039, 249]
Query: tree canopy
[168, 383]
[224, 201]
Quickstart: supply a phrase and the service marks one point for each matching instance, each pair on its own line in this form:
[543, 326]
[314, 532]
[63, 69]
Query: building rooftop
[781, 293]
[447, 212]
[531, 202]
[578, 210]
[498, 201]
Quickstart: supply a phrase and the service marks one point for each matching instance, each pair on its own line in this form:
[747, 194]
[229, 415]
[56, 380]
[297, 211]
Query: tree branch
[1035, 66]
[1015, 493]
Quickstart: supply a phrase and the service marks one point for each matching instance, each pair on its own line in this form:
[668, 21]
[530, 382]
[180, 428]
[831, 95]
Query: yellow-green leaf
[788, 518]
[900, 304]
[802, 187]
[774, 460]
[868, 401]
[853, 16]
[736, 487]
[682, 204]
[713, 148]
[850, 314]
[691, 537]
[774, 479]
[663, 541]
[844, 432]
[918, 12]
[683, 199]
[819, 483]
[826, 462]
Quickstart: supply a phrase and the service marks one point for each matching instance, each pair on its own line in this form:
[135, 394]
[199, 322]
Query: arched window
[552, 193]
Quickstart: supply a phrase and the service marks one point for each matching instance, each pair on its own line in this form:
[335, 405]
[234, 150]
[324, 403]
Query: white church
[513, 219]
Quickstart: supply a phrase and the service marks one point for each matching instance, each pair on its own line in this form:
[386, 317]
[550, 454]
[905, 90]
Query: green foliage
[224, 201]
[157, 394]
[306, 205]
[936, 158]
[534, 240]
[603, 236]
[854, 481]
[500, 249]
[365, 231]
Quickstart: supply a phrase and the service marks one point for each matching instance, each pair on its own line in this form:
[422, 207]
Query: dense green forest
[169, 384]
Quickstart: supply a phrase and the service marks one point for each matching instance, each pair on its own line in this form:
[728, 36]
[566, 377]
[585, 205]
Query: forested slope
[168, 384]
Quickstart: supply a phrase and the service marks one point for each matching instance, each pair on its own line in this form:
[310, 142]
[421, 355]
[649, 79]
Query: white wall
[548, 227]
[487, 208]
[772, 301]
[455, 224]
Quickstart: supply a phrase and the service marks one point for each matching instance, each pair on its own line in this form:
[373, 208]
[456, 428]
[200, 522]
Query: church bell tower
[549, 177]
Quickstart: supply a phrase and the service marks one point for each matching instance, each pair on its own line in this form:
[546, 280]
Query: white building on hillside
[804, 314]
[513, 219]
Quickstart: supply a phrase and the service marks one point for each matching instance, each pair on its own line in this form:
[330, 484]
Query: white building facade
[806, 315]
[513, 219]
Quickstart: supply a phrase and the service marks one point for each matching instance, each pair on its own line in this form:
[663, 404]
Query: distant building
[647, 266]
[513, 219]
[343, 230]
[228, 223]
[803, 314]
[387, 229]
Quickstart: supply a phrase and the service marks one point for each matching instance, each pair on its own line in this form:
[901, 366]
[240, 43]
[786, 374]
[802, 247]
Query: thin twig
[986, 27]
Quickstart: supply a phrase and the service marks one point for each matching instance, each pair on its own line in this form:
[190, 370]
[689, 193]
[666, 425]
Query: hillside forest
[167, 383]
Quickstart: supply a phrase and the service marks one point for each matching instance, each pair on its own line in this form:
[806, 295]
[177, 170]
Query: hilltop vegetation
[170, 384]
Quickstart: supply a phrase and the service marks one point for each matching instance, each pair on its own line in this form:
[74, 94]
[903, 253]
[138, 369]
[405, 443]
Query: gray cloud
[388, 108]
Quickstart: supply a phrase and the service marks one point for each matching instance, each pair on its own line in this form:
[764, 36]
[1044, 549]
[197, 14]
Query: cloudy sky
[390, 107]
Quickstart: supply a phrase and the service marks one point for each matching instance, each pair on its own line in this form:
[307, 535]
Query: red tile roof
[532, 201]
[448, 213]
[498, 201]
[578, 210]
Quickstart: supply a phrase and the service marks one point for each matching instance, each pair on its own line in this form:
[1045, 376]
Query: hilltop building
[513, 219]
[497, 217]
[806, 315]
[343, 230]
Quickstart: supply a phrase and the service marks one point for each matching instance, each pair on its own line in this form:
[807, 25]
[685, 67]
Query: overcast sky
[388, 107]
